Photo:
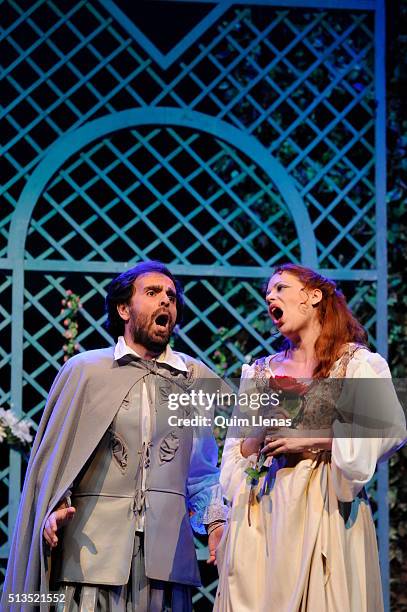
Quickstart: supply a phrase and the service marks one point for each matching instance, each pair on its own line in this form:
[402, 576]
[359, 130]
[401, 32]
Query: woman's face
[289, 304]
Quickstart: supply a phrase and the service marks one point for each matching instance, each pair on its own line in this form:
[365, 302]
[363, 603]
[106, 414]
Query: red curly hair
[338, 324]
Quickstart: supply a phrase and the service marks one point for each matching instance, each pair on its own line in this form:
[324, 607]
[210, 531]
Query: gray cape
[79, 409]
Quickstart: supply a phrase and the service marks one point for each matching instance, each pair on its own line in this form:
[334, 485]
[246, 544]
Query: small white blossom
[21, 430]
[8, 417]
[10, 424]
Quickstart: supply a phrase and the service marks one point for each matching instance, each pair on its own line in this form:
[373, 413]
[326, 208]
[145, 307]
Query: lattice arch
[183, 161]
[77, 208]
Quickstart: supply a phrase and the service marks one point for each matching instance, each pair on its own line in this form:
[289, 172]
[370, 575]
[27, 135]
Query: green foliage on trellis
[397, 223]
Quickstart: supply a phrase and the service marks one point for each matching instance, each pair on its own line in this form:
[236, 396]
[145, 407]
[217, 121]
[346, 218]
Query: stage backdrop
[221, 138]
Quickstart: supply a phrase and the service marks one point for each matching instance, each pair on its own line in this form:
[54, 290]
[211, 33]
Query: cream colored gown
[305, 550]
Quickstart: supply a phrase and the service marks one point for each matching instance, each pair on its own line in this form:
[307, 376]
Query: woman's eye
[150, 292]
[171, 298]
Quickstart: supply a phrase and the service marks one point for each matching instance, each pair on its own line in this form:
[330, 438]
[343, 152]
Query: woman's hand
[274, 445]
[251, 446]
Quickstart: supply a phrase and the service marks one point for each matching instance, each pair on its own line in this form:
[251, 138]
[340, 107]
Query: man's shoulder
[101, 358]
[199, 366]
[186, 358]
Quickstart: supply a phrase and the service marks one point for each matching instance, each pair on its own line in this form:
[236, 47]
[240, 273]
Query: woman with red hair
[300, 536]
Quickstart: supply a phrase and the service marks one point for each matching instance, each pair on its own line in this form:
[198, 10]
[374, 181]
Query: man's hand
[213, 542]
[58, 518]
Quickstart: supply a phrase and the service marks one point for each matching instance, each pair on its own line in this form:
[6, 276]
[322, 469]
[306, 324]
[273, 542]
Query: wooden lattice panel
[298, 180]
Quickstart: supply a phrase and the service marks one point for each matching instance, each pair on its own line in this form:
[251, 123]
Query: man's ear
[123, 311]
[315, 296]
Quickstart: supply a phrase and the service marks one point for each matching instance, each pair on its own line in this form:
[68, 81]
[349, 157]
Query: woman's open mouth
[276, 314]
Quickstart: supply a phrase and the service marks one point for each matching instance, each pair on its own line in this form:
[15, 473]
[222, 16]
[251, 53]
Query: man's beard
[142, 333]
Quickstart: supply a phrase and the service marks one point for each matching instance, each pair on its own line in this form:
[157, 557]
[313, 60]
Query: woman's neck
[303, 347]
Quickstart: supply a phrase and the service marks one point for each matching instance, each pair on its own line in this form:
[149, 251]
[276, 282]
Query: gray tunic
[97, 546]
[98, 543]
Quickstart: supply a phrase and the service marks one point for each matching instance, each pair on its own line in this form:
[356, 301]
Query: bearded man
[111, 489]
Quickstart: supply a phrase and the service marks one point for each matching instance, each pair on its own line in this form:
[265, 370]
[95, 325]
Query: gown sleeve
[234, 464]
[354, 458]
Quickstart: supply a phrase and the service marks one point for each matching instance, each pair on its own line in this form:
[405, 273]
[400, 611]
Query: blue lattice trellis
[117, 151]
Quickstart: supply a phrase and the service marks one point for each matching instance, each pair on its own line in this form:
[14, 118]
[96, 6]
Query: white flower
[8, 418]
[21, 430]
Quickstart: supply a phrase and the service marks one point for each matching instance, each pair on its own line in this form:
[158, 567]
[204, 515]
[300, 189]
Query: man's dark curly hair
[121, 289]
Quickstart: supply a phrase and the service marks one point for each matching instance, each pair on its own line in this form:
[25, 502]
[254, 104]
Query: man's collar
[168, 356]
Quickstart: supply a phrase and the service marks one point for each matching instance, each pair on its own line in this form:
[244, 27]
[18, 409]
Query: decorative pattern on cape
[168, 447]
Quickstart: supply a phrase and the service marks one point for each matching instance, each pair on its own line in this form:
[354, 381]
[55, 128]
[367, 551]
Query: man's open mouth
[162, 320]
[276, 314]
